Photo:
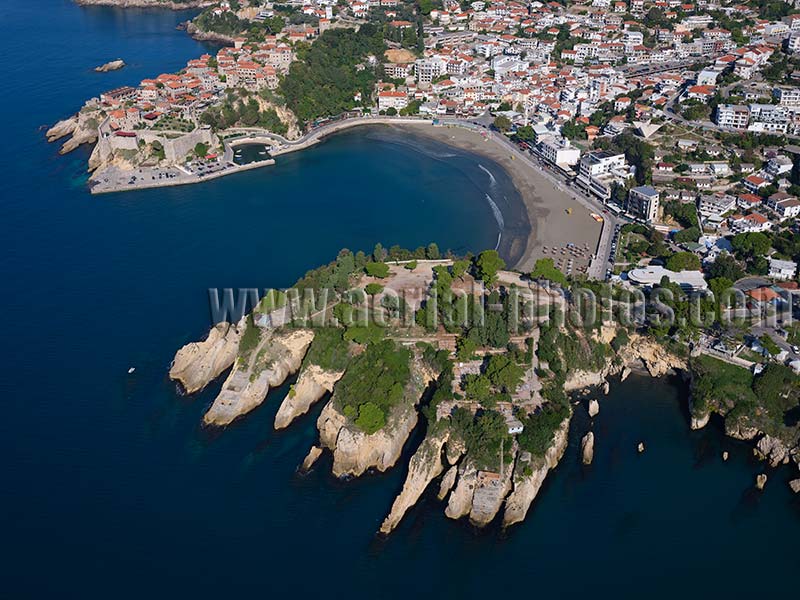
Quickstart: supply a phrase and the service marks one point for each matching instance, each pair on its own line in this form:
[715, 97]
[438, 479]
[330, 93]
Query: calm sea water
[111, 488]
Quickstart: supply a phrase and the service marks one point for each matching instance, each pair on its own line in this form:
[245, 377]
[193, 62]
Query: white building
[392, 99]
[651, 275]
[787, 96]
[782, 269]
[768, 117]
[558, 151]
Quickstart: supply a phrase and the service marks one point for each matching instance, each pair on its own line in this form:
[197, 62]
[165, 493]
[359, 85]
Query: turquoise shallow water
[111, 488]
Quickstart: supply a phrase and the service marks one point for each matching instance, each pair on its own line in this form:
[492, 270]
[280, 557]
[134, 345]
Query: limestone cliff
[460, 502]
[773, 450]
[286, 116]
[355, 451]
[656, 358]
[278, 355]
[62, 129]
[698, 419]
[312, 384]
[640, 351]
[208, 36]
[740, 429]
[198, 363]
[424, 467]
[528, 483]
[82, 128]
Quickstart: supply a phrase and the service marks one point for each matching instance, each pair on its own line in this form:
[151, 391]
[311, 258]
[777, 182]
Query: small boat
[131, 370]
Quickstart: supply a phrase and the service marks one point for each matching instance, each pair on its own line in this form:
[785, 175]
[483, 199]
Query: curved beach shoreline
[545, 206]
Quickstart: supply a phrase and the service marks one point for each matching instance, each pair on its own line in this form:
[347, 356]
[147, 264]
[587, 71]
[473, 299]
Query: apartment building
[599, 170]
[643, 203]
[734, 116]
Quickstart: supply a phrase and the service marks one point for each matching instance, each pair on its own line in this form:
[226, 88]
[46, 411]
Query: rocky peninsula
[493, 403]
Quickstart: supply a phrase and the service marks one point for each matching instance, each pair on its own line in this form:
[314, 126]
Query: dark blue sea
[110, 487]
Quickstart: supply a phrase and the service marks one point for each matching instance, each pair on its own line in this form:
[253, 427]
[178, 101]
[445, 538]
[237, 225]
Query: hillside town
[677, 121]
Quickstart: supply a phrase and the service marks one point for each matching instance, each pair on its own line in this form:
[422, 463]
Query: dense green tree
[725, 266]
[683, 261]
[502, 123]
[545, 268]
[504, 373]
[373, 288]
[754, 243]
[488, 264]
[377, 269]
[690, 234]
[324, 79]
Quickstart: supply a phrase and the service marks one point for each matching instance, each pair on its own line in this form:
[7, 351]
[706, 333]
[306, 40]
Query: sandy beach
[551, 225]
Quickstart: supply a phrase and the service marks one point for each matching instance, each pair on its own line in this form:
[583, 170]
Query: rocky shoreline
[206, 36]
[464, 463]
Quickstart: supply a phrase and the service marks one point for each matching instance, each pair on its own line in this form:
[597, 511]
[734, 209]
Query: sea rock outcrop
[761, 481]
[199, 363]
[794, 484]
[594, 408]
[425, 466]
[310, 459]
[113, 65]
[587, 448]
[312, 384]
[82, 128]
[449, 480]
[773, 450]
[278, 355]
[62, 129]
[527, 484]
